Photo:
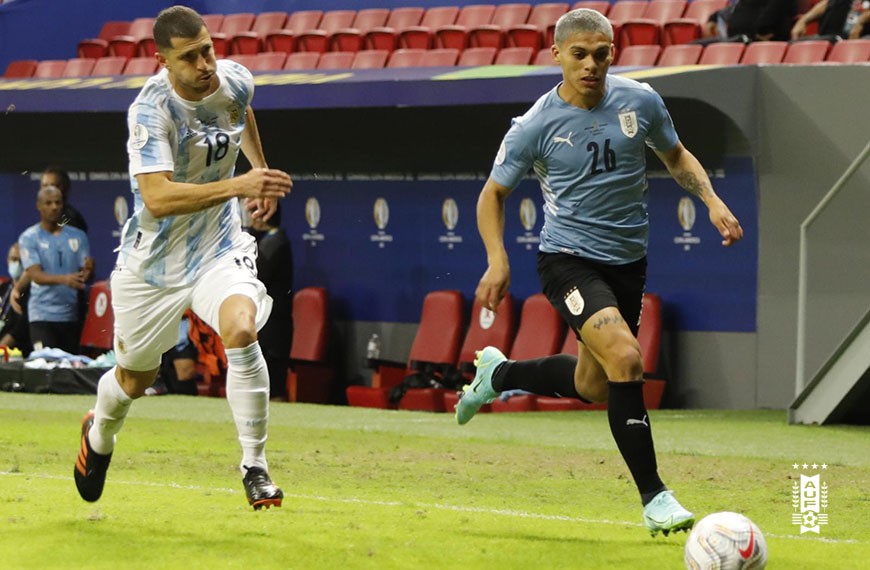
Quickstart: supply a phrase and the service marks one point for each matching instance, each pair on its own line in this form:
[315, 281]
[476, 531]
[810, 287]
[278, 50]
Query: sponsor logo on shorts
[574, 301]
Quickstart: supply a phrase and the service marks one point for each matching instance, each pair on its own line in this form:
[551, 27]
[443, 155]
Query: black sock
[630, 426]
[548, 376]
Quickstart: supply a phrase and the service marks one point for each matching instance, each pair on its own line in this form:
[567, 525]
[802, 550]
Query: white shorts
[147, 317]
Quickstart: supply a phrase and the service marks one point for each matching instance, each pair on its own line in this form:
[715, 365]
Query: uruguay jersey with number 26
[591, 165]
[198, 142]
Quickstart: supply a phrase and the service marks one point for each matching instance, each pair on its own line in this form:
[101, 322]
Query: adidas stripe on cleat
[91, 467]
[260, 490]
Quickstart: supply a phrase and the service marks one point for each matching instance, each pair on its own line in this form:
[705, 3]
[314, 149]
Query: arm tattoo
[606, 320]
[693, 184]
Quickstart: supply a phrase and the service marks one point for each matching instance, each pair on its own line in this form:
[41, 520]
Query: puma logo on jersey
[632, 421]
[565, 139]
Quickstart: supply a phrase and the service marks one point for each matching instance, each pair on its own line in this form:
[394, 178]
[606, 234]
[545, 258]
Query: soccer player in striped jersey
[183, 247]
[585, 140]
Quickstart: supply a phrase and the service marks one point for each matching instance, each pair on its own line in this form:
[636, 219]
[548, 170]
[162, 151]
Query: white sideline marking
[458, 508]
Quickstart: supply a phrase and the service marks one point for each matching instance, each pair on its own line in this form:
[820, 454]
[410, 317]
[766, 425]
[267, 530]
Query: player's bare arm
[75, 280]
[252, 147]
[164, 197]
[688, 172]
[494, 284]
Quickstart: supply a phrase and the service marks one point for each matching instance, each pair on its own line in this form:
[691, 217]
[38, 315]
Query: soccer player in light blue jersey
[57, 262]
[585, 141]
[183, 247]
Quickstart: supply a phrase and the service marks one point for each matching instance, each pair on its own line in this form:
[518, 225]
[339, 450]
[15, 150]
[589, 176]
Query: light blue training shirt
[57, 254]
[591, 166]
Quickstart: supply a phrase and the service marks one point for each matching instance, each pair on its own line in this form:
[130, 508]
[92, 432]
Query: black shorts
[578, 288]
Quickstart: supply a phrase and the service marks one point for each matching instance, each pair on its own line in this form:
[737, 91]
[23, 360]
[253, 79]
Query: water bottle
[373, 349]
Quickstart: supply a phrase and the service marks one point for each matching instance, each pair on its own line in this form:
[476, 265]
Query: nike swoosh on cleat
[747, 552]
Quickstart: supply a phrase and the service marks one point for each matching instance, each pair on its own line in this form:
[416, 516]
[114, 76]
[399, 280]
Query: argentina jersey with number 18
[591, 166]
[198, 142]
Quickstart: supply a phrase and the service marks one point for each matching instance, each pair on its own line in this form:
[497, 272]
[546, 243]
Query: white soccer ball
[726, 541]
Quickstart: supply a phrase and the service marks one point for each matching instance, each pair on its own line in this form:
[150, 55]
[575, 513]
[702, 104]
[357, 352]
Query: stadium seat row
[478, 25]
[443, 345]
[801, 52]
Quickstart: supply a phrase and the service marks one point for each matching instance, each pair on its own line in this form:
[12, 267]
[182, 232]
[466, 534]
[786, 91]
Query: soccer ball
[726, 541]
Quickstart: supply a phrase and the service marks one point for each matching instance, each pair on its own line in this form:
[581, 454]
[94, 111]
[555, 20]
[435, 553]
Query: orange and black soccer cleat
[260, 490]
[91, 467]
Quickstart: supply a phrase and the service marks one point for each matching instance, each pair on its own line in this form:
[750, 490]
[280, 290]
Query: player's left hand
[261, 208]
[726, 222]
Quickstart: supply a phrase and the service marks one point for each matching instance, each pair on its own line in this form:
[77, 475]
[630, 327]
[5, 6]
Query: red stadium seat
[642, 31]
[544, 57]
[623, 10]
[683, 54]
[533, 33]
[137, 42]
[649, 337]
[285, 38]
[21, 68]
[98, 332]
[436, 344]
[680, 31]
[269, 61]
[724, 53]
[439, 57]
[254, 40]
[406, 58]
[642, 55]
[850, 51]
[336, 60]
[764, 52]
[488, 329]
[99, 46]
[515, 56]
[602, 6]
[700, 10]
[541, 330]
[456, 35]
[302, 60]
[213, 22]
[109, 66]
[246, 59]
[386, 37]
[49, 69]
[663, 10]
[310, 376]
[231, 25]
[353, 38]
[421, 37]
[505, 17]
[477, 56]
[318, 39]
[807, 52]
[370, 59]
[141, 66]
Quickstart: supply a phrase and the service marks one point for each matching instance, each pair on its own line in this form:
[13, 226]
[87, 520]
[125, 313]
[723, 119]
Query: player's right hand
[265, 183]
[75, 280]
[493, 286]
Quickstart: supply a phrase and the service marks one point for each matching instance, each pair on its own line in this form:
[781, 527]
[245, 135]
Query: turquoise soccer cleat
[480, 391]
[664, 513]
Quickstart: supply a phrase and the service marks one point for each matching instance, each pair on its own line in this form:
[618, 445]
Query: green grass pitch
[384, 489]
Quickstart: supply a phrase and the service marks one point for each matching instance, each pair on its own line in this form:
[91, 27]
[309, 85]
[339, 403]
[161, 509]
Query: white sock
[109, 413]
[248, 397]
